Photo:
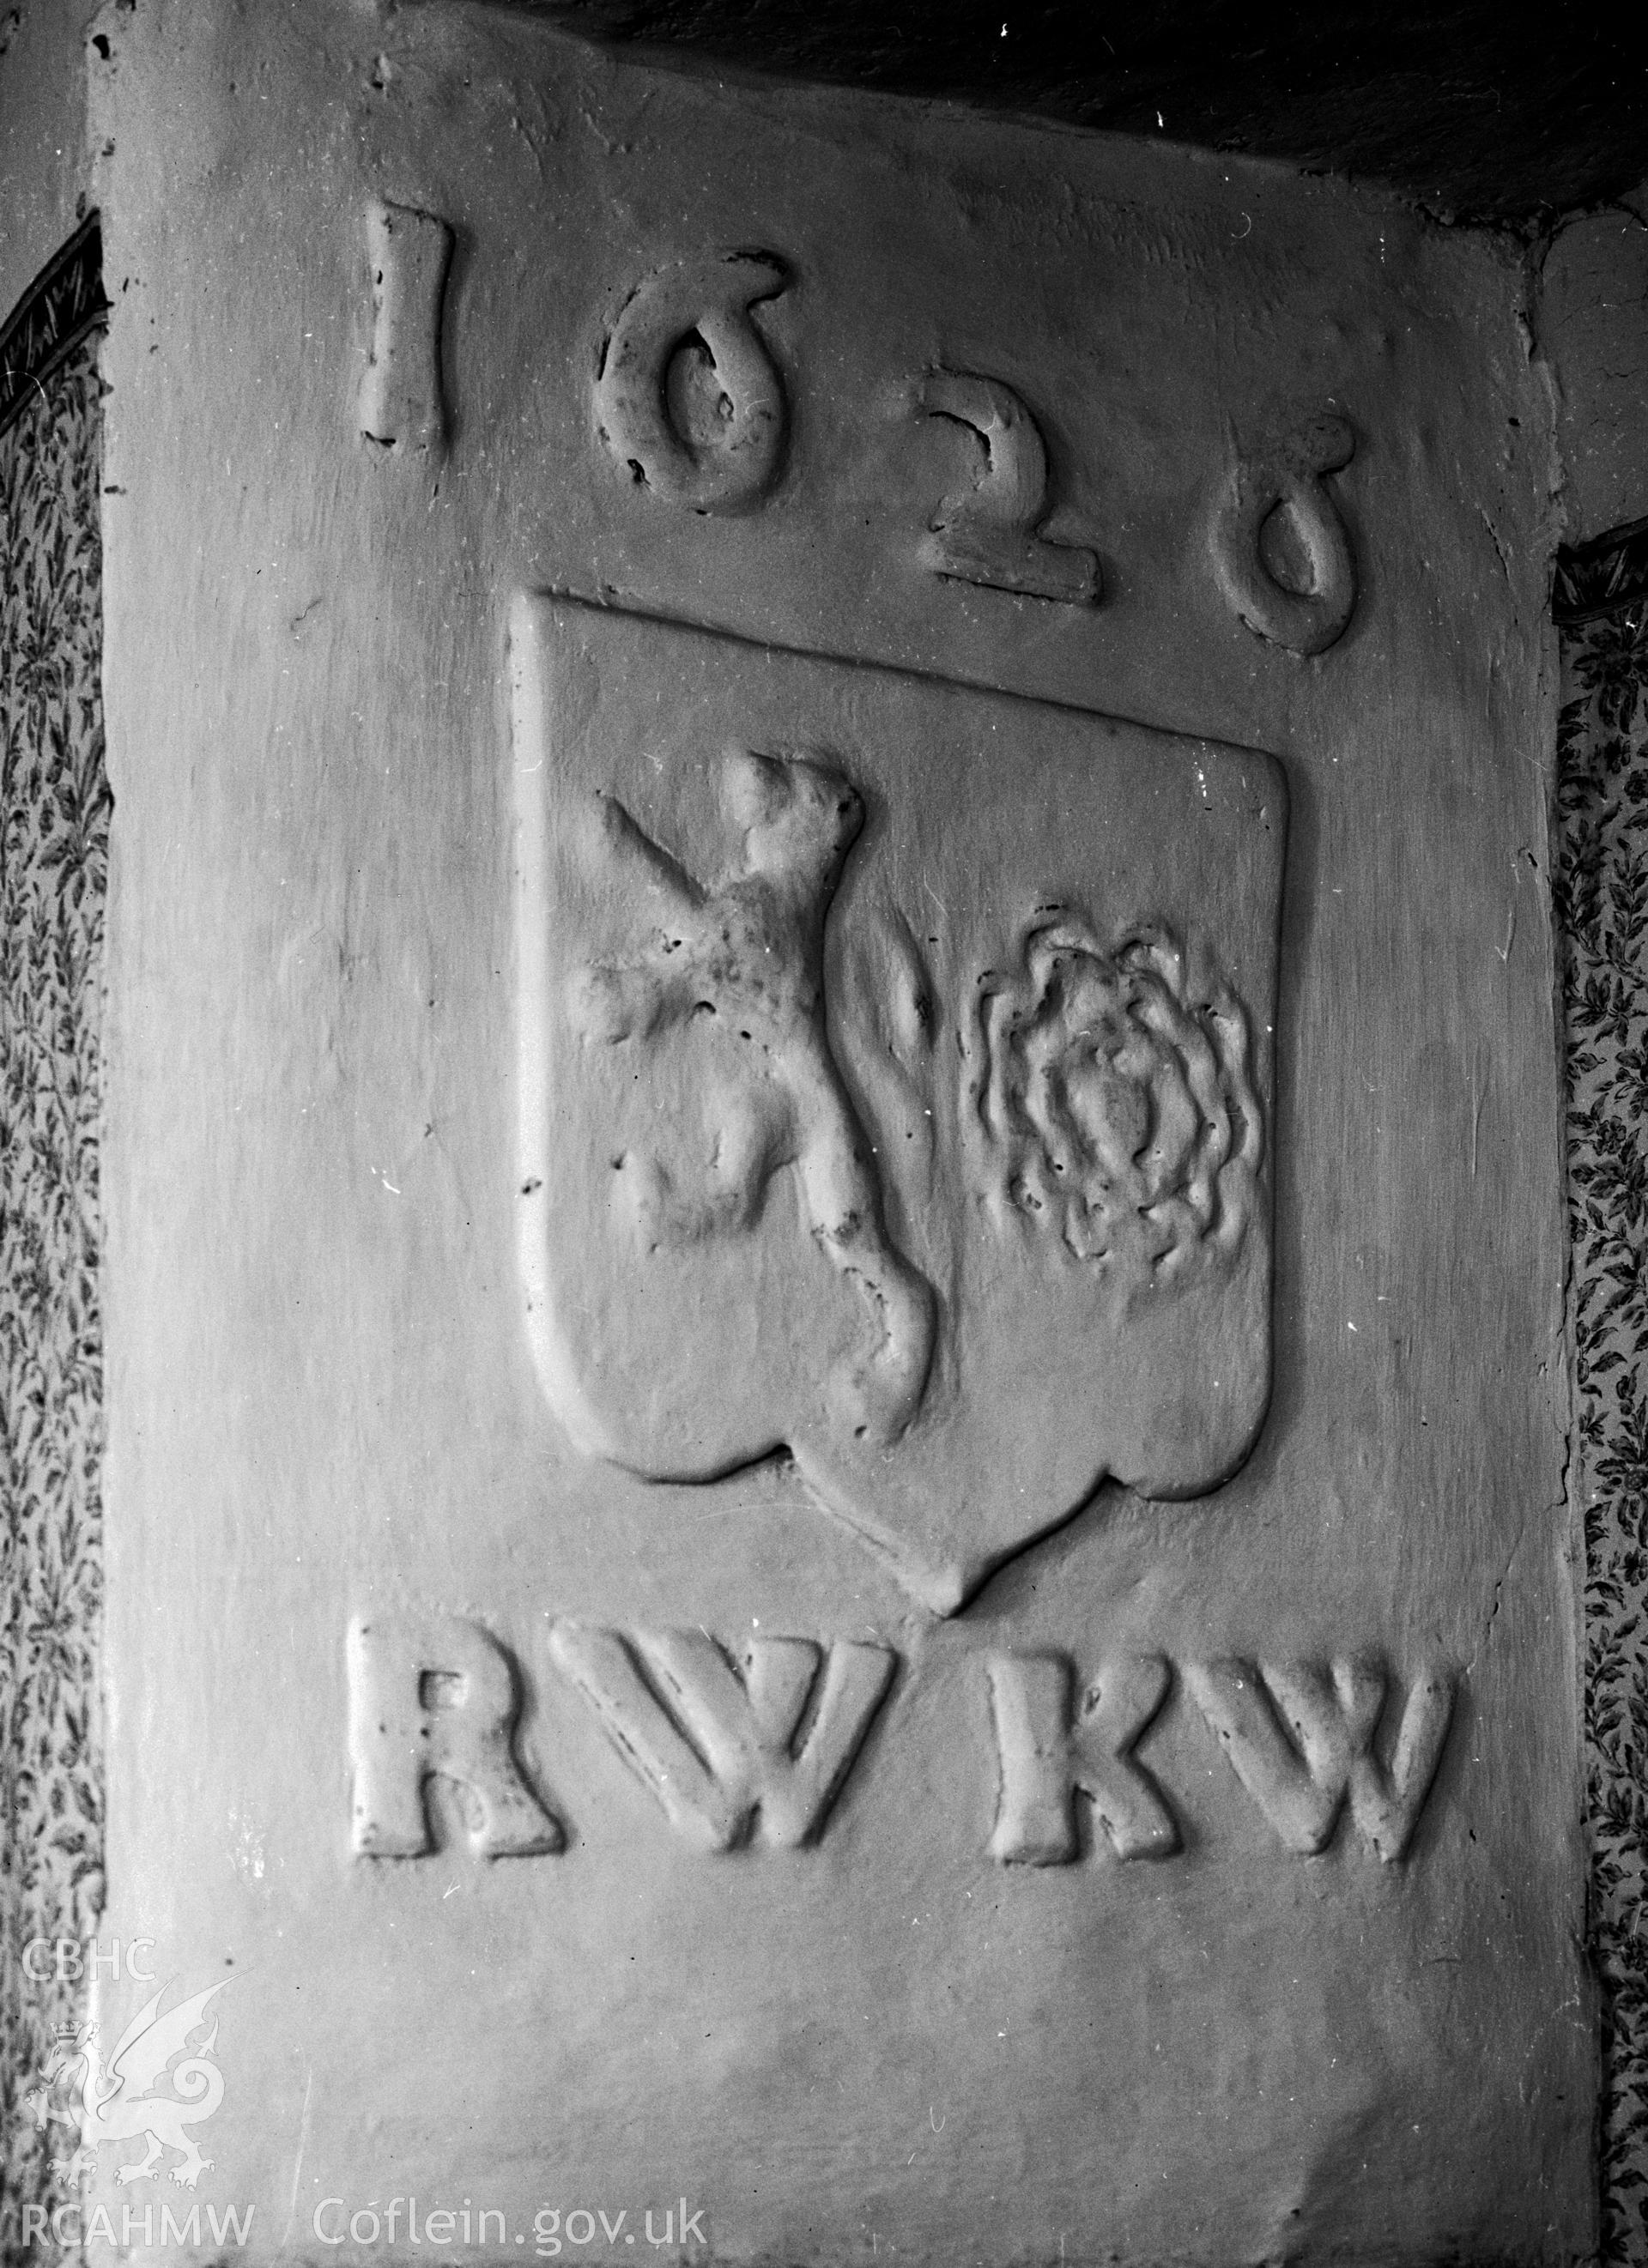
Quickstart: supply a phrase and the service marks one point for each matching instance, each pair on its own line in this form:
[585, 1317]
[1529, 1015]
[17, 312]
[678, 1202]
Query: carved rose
[1118, 1110]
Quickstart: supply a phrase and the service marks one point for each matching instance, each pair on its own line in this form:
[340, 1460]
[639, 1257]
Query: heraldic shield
[894, 1083]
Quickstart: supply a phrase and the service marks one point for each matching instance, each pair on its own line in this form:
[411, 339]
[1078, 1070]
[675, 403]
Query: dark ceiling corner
[1501, 114]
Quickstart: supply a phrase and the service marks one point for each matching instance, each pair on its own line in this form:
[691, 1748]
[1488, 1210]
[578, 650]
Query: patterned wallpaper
[53, 842]
[1601, 887]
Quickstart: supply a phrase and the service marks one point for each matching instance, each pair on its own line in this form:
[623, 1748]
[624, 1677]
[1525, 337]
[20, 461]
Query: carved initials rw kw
[733, 1750]
[749, 1747]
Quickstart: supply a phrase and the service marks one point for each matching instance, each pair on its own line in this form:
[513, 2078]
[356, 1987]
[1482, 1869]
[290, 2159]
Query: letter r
[434, 1698]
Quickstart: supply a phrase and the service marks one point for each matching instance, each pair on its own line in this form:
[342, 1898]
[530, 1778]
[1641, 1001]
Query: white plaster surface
[322, 1402]
[1594, 330]
[44, 163]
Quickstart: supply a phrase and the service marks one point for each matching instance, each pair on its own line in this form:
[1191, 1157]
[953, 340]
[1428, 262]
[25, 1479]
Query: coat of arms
[894, 1083]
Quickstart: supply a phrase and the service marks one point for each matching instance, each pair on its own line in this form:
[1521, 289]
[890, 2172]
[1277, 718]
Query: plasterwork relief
[958, 1195]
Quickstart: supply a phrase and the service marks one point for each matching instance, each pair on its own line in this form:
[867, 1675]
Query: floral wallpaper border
[53, 843]
[1600, 578]
[1600, 603]
[65, 301]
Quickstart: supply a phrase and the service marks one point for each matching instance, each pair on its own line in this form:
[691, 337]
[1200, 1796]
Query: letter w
[1301, 1737]
[726, 1745]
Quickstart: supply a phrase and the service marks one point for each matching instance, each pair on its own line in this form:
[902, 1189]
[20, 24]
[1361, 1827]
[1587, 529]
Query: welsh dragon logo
[112, 2102]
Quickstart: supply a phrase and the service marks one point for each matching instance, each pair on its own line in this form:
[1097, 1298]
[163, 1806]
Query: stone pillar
[838, 1479]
